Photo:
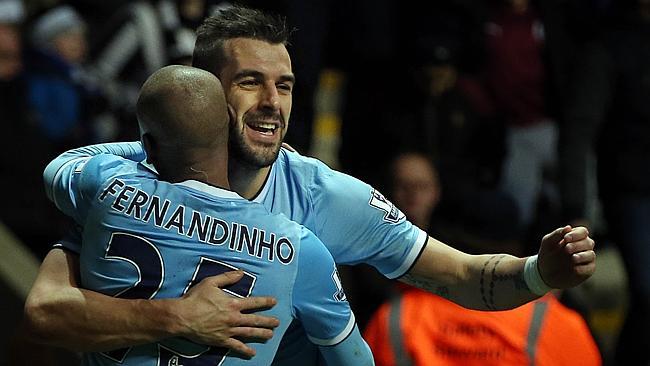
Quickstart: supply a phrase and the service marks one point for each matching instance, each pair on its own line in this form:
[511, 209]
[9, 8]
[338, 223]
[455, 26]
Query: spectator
[127, 44]
[385, 35]
[445, 119]
[543, 332]
[70, 107]
[608, 111]
[11, 16]
[399, 333]
[179, 19]
[416, 186]
[525, 74]
[24, 209]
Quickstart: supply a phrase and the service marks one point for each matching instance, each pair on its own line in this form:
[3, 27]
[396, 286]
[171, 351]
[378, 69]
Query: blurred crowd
[531, 113]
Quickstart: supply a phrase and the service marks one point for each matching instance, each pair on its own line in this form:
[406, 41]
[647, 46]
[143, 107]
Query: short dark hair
[235, 22]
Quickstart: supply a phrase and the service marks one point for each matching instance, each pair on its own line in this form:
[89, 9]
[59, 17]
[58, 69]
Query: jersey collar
[199, 186]
[259, 198]
[149, 166]
[211, 190]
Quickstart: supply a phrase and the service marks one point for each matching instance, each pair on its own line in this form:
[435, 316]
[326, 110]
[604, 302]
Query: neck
[246, 180]
[207, 168]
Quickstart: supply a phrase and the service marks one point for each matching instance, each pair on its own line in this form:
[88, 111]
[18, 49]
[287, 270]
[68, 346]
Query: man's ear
[150, 147]
[232, 115]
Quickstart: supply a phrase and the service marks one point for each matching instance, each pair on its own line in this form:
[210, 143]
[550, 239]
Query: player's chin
[263, 155]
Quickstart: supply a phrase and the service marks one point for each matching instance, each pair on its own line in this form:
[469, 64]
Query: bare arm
[59, 313]
[496, 281]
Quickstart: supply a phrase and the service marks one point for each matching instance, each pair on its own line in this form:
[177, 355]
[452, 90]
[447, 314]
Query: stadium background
[375, 77]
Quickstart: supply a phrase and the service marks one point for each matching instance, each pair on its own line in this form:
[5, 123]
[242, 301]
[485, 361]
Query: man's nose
[271, 98]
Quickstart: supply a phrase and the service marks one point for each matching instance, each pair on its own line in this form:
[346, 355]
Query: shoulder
[107, 163]
[300, 167]
[312, 247]
[99, 169]
[316, 176]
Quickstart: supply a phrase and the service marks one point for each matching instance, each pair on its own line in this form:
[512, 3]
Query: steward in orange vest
[419, 328]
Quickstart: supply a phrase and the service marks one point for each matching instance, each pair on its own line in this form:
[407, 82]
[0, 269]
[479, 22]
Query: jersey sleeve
[318, 297]
[353, 351]
[73, 179]
[359, 225]
[322, 307]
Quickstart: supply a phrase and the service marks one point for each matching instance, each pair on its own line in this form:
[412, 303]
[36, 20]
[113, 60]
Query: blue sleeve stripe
[411, 257]
[339, 338]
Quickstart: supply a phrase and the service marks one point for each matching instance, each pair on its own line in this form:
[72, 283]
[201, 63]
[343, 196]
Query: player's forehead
[271, 60]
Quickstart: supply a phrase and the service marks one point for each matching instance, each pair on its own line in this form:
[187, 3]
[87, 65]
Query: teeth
[268, 126]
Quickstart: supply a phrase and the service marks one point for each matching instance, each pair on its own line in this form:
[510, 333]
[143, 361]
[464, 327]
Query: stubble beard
[253, 156]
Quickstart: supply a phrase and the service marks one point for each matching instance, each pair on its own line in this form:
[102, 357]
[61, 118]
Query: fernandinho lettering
[206, 228]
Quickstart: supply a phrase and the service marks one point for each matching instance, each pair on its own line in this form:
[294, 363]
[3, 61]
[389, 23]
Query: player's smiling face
[258, 82]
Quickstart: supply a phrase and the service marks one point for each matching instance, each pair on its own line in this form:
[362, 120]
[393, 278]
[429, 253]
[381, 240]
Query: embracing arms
[60, 313]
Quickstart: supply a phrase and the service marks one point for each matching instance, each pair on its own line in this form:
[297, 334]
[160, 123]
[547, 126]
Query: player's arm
[60, 313]
[131, 150]
[499, 281]
[63, 178]
[323, 309]
[59, 172]
[374, 231]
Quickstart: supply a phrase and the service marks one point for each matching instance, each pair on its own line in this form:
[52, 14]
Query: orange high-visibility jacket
[418, 328]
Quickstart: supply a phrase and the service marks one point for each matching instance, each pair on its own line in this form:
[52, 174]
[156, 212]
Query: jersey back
[149, 239]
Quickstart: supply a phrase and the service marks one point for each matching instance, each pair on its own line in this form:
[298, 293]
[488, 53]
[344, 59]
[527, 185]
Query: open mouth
[265, 128]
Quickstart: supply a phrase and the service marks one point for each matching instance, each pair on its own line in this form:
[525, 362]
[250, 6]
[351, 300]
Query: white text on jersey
[138, 204]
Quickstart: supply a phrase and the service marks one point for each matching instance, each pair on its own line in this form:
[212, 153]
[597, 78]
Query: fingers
[557, 235]
[251, 333]
[258, 321]
[239, 347]
[576, 234]
[257, 303]
[580, 246]
[586, 270]
[288, 147]
[585, 257]
[225, 279]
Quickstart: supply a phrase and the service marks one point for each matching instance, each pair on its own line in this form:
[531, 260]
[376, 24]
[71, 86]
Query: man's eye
[284, 87]
[248, 83]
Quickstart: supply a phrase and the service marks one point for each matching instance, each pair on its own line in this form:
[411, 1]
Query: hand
[212, 317]
[566, 257]
[288, 147]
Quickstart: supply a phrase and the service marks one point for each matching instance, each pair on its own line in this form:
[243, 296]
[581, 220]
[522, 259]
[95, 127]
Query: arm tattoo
[442, 291]
[482, 283]
[488, 295]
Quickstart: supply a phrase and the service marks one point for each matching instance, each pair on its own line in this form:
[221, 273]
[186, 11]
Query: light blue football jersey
[354, 221]
[145, 238]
